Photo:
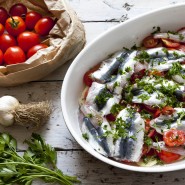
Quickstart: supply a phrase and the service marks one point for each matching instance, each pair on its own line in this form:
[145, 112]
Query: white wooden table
[97, 16]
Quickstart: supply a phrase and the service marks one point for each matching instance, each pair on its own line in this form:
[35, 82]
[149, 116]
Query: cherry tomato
[14, 55]
[137, 75]
[170, 43]
[28, 39]
[35, 48]
[44, 25]
[157, 113]
[6, 41]
[1, 29]
[110, 117]
[150, 42]
[15, 25]
[181, 48]
[3, 15]
[1, 57]
[168, 157]
[174, 137]
[156, 73]
[87, 76]
[18, 10]
[167, 110]
[31, 19]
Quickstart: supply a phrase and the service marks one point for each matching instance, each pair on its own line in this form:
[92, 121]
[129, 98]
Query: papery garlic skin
[7, 106]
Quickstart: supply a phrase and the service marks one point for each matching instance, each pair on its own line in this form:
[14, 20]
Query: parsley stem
[62, 178]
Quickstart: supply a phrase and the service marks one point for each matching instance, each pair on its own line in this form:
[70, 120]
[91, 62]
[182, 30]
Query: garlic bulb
[32, 114]
[7, 106]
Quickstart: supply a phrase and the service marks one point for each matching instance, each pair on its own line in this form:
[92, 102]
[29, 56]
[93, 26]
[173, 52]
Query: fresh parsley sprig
[38, 162]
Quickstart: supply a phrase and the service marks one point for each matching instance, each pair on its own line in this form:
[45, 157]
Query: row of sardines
[132, 106]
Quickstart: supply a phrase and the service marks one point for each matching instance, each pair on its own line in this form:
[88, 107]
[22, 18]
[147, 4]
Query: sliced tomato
[167, 110]
[137, 75]
[87, 76]
[174, 137]
[150, 42]
[157, 113]
[156, 73]
[168, 157]
[152, 133]
[181, 48]
[110, 117]
[170, 43]
[148, 108]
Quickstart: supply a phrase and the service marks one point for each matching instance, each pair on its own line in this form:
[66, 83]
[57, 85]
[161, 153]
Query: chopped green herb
[116, 108]
[85, 136]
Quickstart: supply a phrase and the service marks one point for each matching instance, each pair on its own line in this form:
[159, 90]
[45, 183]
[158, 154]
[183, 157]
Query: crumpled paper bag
[66, 40]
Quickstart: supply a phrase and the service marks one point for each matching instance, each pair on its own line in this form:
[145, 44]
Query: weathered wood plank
[94, 172]
[55, 131]
[119, 10]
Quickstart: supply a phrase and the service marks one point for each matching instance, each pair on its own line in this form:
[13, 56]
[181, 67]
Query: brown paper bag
[65, 41]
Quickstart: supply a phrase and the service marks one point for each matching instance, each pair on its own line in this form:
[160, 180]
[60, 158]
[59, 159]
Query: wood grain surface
[97, 16]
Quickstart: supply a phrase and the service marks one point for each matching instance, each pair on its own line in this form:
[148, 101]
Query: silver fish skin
[164, 123]
[128, 148]
[108, 67]
[162, 146]
[116, 86]
[179, 78]
[153, 98]
[103, 145]
[93, 92]
[179, 37]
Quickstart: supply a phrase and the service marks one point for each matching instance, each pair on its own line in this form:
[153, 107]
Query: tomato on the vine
[3, 15]
[1, 57]
[28, 39]
[168, 157]
[44, 25]
[14, 55]
[31, 19]
[15, 25]
[6, 41]
[18, 10]
[1, 29]
[34, 49]
[174, 137]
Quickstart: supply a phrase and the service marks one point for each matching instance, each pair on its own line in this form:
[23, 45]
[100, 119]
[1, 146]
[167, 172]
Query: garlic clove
[6, 119]
[9, 102]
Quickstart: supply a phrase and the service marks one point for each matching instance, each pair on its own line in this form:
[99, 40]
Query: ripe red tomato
[15, 25]
[34, 49]
[1, 57]
[170, 43]
[44, 25]
[31, 19]
[150, 42]
[18, 10]
[28, 39]
[14, 55]
[1, 29]
[167, 110]
[6, 41]
[87, 76]
[168, 157]
[174, 137]
[3, 15]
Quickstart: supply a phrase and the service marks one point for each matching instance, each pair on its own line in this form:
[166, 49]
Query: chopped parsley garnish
[128, 69]
[144, 97]
[147, 140]
[85, 136]
[143, 56]
[116, 108]
[102, 98]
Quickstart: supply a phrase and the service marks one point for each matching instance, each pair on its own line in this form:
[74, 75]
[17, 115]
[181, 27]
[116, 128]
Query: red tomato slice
[157, 113]
[174, 137]
[150, 42]
[167, 110]
[170, 43]
[168, 157]
[87, 76]
[137, 75]
[110, 117]
[156, 73]
[181, 48]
